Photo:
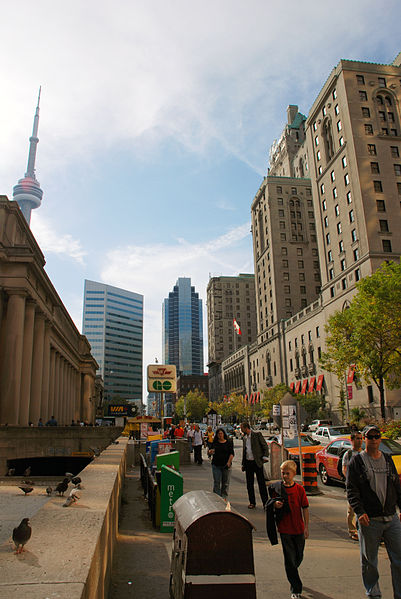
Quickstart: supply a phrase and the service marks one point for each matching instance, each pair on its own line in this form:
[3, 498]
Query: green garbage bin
[171, 489]
[171, 459]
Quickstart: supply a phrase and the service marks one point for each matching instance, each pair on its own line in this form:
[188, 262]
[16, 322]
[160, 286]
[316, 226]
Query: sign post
[290, 423]
[162, 378]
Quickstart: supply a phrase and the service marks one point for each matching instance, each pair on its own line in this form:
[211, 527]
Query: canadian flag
[236, 327]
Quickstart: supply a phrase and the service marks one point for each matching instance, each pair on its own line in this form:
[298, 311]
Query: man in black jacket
[254, 450]
[374, 492]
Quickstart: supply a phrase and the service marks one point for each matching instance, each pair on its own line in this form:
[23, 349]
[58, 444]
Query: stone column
[56, 404]
[52, 382]
[46, 374]
[37, 368]
[69, 395]
[86, 397]
[10, 383]
[61, 403]
[26, 370]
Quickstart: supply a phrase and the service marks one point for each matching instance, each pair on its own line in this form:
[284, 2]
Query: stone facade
[46, 365]
[343, 166]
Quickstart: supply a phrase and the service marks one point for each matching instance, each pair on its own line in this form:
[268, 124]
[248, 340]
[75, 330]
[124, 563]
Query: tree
[368, 333]
[196, 405]
[234, 409]
[273, 396]
[312, 403]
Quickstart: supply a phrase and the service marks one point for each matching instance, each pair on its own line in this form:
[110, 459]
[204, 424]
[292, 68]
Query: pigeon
[49, 490]
[76, 481]
[11, 472]
[96, 451]
[21, 535]
[74, 494]
[27, 472]
[26, 490]
[68, 502]
[62, 487]
[69, 475]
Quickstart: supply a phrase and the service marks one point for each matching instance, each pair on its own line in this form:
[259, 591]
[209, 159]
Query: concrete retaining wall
[70, 552]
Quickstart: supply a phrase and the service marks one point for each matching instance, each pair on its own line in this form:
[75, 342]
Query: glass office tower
[182, 329]
[113, 324]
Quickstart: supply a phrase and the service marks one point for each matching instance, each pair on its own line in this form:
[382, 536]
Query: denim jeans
[369, 541]
[293, 549]
[221, 480]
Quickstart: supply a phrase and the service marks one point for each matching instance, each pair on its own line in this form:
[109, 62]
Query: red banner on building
[351, 374]
[311, 384]
[320, 380]
[292, 386]
[304, 386]
[297, 386]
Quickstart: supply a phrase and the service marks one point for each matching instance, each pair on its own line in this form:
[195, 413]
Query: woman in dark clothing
[222, 451]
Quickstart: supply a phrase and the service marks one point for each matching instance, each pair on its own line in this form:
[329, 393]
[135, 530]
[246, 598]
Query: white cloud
[52, 242]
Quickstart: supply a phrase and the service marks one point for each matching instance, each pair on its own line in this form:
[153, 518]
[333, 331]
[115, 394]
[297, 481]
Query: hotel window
[281, 213]
[336, 210]
[390, 116]
[357, 275]
[377, 185]
[372, 149]
[284, 251]
[279, 202]
[334, 94]
[322, 188]
[344, 283]
[341, 141]
[339, 228]
[316, 140]
[331, 293]
[382, 115]
[330, 256]
[360, 79]
[382, 82]
[342, 264]
[351, 216]
[335, 192]
[365, 112]
[374, 168]
[393, 132]
[332, 176]
[368, 130]
[383, 226]
[302, 276]
[397, 169]
[283, 237]
[324, 111]
[300, 252]
[386, 243]
[324, 205]
[339, 126]
[331, 274]
[314, 126]
[310, 214]
[380, 206]
[346, 179]
[287, 289]
[341, 246]
[279, 190]
[294, 191]
[336, 109]
[282, 224]
[384, 131]
[349, 197]
[344, 161]
[356, 254]
[328, 239]
[300, 263]
[353, 235]
[286, 276]
[363, 96]
[326, 222]
[302, 289]
[285, 263]
[317, 332]
[394, 152]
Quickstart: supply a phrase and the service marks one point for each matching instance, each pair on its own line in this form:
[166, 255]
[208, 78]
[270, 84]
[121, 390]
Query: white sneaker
[295, 596]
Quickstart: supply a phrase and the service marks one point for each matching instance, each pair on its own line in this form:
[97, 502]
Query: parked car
[314, 425]
[308, 445]
[329, 459]
[326, 434]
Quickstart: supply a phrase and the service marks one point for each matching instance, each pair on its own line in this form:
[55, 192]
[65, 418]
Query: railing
[149, 486]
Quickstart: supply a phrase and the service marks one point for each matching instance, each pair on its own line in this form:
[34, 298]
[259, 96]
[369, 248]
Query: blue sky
[156, 121]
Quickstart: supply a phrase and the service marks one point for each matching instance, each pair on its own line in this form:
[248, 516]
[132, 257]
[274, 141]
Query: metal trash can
[212, 553]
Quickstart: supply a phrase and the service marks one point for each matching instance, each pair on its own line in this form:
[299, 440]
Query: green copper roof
[297, 122]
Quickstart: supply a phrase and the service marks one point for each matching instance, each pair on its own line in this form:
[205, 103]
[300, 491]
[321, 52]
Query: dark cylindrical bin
[212, 550]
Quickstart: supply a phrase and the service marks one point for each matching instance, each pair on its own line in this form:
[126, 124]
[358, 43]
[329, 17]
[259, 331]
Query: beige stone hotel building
[46, 367]
[327, 214]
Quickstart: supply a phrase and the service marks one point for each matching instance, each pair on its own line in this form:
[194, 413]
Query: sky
[156, 120]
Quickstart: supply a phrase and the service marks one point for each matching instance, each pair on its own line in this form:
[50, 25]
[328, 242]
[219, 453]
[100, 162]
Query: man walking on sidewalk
[374, 491]
[254, 449]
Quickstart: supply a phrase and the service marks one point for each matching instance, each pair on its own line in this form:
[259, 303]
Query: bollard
[310, 474]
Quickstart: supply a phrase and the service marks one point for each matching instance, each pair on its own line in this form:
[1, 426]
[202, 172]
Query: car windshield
[390, 446]
[305, 441]
[339, 430]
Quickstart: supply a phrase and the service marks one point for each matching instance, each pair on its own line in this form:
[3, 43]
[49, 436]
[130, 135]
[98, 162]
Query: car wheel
[324, 477]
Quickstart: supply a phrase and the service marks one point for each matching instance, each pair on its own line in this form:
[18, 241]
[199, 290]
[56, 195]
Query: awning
[311, 384]
[304, 386]
[297, 386]
[319, 384]
[351, 374]
[292, 386]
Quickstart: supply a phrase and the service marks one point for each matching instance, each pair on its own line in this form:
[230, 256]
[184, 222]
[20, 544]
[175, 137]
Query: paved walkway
[330, 569]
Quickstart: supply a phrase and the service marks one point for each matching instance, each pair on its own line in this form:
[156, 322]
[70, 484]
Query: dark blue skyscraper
[113, 324]
[182, 329]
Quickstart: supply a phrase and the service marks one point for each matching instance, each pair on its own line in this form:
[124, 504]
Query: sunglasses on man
[373, 436]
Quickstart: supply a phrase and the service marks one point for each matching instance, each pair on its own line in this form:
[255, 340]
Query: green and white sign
[162, 378]
[172, 487]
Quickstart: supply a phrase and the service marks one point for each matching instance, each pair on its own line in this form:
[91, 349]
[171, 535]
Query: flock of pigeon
[22, 533]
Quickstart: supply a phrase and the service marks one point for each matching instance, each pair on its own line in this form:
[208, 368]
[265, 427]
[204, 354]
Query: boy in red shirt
[292, 524]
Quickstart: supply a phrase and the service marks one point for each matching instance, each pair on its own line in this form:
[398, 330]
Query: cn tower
[27, 193]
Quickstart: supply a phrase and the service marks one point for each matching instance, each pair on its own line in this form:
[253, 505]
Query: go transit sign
[162, 378]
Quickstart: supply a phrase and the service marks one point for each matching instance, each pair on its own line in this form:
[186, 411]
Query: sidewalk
[330, 570]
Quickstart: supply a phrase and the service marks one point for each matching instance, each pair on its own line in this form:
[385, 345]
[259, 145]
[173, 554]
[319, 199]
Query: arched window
[327, 134]
[387, 113]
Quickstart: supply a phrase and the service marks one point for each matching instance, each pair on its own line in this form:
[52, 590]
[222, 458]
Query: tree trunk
[382, 401]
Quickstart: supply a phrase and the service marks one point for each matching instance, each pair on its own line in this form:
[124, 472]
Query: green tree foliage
[234, 409]
[196, 406]
[312, 403]
[273, 396]
[368, 333]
